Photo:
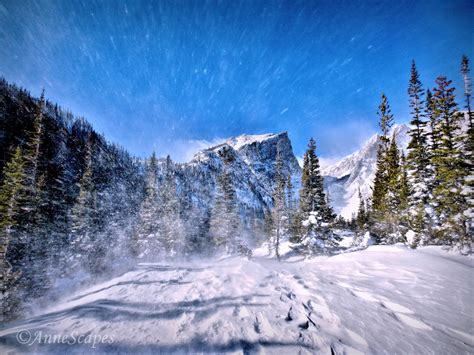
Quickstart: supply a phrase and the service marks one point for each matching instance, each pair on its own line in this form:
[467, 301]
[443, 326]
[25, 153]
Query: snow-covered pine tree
[467, 89]
[225, 225]
[361, 219]
[468, 150]
[10, 191]
[31, 245]
[404, 191]
[315, 214]
[379, 203]
[32, 151]
[431, 222]
[291, 209]
[392, 217]
[280, 211]
[449, 166]
[146, 236]
[418, 156]
[312, 195]
[172, 228]
[83, 219]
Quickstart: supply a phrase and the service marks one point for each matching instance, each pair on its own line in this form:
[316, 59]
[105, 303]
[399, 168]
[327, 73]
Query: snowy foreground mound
[386, 299]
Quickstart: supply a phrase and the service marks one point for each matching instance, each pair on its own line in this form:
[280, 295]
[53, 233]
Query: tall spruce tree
[392, 216]
[380, 187]
[10, 194]
[32, 151]
[467, 89]
[147, 243]
[312, 195]
[361, 219]
[405, 190]
[279, 212]
[30, 244]
[433, 144]
[172, 228]
[418, 156]
[291, 209]
[468, 149]
[449, 166]
[225, 224]
[315, 214]
[83, 218]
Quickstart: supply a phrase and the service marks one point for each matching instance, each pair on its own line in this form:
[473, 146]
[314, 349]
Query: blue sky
[171, 76]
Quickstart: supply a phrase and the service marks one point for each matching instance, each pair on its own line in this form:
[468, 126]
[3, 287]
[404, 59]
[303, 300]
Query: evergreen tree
[172, 230]
[434, 123]
[83, 218]
[468, 151]
[312, 195]
[315, 214]
[449, 166]
[291, 210]
[32, 152]
[10, 192]
[433, 144]
[361, 218]
[225, 223]
[380, 187]
[405, 189]
[393, 176]
[392, 216]
[386, 119]
[418, 157]
[30, 245]
[467, 89]
[280, 216]
[147, 242]
[388, 197]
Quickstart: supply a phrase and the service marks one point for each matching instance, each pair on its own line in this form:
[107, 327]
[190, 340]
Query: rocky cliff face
[252, 169]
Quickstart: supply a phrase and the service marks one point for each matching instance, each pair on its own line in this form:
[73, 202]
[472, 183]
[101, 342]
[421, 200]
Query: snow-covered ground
[382, 300]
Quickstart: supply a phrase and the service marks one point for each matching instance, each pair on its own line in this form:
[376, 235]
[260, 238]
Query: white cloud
[184, 150]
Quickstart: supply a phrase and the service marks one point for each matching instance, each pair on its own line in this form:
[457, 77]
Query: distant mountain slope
[253, 168]
[357, 170]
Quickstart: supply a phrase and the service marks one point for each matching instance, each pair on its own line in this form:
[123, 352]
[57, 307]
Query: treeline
[423, 198]
[427, 196]
[64, 194]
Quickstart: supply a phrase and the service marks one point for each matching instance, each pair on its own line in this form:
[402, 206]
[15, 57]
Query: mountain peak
[246, 139]
[356, 171]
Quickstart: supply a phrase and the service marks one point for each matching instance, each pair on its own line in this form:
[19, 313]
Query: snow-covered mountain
[357, 170]
[252, 169]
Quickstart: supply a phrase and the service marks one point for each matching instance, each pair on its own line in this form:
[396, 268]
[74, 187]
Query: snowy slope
[386, 299]
[344, 178]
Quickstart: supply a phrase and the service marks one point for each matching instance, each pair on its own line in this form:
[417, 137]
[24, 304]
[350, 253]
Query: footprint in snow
[256, 325]
[357, 338]
[291, 315]
[412, 322]
[365, 296]
[395, 307]
[236, 311]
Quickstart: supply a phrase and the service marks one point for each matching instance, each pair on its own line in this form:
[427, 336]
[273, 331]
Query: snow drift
[385, 299]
